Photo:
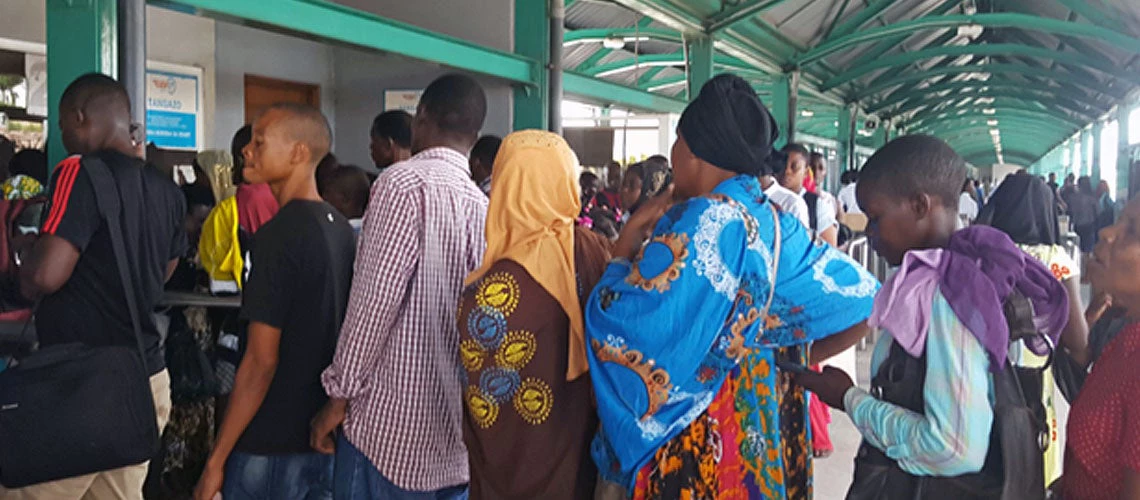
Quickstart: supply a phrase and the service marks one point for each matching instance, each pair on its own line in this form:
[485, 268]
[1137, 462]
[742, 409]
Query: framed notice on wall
[405, 100]
[174, 106]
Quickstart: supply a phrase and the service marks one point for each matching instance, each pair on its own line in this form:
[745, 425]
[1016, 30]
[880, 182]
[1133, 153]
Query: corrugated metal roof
[1027, 69]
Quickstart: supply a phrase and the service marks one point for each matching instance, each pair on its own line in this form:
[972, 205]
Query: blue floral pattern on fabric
[661, 345]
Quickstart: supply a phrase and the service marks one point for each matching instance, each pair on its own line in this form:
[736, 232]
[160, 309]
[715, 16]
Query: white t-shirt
[789, 202]
[847, 199]
[824, 212]
[967, 207]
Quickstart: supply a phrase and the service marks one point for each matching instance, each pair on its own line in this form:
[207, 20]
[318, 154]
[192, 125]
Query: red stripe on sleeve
[69, 170]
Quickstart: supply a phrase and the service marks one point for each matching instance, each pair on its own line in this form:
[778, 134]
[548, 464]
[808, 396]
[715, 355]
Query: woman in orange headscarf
[528, 412]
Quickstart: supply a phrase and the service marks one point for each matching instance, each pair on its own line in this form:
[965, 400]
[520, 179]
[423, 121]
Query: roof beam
[908, 58]
[744, 10]
[989, 69]
[977, 114]
[680, 21]
[835, 20]
[337, 23]
[994, 20]
[658, 60]
[594, 59]
[609, 92]
[886, 45]
[1008, 91]
[860, 18]
[913, 93]
[1084, 49]
[1002, 100]
[648, 76]
[957, 124]
[573, 37]
[1090, 12]
[982, 135]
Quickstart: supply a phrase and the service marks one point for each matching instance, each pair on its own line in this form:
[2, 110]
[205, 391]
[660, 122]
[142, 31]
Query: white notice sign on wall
[405, 100]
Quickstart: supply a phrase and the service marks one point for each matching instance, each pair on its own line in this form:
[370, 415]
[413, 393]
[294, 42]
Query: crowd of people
[482, 320]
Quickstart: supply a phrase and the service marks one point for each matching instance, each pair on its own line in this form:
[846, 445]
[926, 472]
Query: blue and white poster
[172, 109]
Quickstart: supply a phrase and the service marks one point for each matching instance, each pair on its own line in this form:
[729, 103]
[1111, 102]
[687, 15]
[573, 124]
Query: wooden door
[261, 91]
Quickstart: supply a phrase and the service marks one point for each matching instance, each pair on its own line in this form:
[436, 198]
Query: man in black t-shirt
[72, 267]
[294, 300]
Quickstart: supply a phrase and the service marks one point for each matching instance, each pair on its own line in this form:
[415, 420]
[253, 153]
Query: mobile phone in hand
[795, 368]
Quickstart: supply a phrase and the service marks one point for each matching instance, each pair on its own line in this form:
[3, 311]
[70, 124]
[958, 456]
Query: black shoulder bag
[73, 409]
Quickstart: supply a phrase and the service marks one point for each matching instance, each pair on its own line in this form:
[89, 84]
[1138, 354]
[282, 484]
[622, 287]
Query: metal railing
[859, 249]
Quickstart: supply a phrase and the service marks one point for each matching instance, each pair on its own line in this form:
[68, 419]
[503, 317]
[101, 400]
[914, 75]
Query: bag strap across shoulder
[776, 246]
[107, 198]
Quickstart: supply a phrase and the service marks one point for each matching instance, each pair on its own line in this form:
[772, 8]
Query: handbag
[192, 377]
[73, 409]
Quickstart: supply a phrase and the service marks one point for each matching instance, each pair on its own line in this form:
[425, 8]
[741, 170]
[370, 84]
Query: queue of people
[481, 321]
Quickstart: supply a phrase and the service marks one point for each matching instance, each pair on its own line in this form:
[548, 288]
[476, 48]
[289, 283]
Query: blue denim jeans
[355, 478]
[304, 476]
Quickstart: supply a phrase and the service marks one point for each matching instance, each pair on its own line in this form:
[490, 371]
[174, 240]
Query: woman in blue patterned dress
[684, 329]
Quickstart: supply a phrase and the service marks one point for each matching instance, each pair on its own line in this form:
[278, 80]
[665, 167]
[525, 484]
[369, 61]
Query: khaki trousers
[123, 483]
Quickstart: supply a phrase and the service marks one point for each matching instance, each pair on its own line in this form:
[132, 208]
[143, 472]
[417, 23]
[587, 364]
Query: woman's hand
[1100, 303]
[210, 484]
[830, 385]
[641, 223]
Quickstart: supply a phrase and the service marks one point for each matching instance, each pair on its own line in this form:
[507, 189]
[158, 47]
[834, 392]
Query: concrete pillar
[81, 39]
[532, 40]
[132, 57]
[785, 88]
[1123, 160]
[1086, 143]
[1097, 130]
[847, 122]
[700, 57]
[882, 134]
[554, 73]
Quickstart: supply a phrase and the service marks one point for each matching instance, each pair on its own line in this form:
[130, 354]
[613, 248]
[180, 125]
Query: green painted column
[846, 139]
[81, 39]
[532, 40]
[785, 90]
[882, 134]
[701, 56]
[1123, 160]
[1086, 152]
[1095, 134]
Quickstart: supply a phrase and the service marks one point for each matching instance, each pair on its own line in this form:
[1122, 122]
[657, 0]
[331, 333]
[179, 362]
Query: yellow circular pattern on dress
[533, 401]
[471, 354]
[516, 350]
[484, 410]
[499, 291]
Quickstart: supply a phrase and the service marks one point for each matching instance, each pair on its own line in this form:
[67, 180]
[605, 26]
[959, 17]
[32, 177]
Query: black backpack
[1014, 468]
[843, 234]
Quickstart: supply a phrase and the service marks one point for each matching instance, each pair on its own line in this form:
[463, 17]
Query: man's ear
[922, 204]
[300, 154]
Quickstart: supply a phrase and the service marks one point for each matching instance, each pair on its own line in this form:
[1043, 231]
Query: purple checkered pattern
[397, 358]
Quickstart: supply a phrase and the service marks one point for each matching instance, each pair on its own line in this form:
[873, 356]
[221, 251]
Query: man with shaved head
[294, 301]
[72, 270]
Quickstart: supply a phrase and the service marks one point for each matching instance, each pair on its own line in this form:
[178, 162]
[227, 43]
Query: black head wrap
[728, 126]
[1023, 207]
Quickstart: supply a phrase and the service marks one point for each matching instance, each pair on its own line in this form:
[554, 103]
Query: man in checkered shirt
[394, 384]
